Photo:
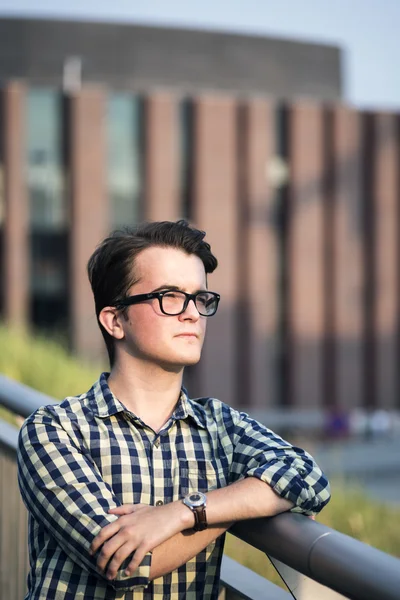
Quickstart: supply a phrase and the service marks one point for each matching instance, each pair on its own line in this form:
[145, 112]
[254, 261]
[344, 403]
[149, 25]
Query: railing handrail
[334, 559]
[21, 399]
[342, 563]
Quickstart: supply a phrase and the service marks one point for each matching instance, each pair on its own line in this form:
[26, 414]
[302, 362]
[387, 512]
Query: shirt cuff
[139, 579]
[287, 481]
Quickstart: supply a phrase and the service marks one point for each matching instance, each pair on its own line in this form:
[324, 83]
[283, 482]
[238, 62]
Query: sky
[368, 31]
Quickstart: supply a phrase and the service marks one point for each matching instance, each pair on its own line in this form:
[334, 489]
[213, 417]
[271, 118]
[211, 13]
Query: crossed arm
[68, 497]
[141, 529]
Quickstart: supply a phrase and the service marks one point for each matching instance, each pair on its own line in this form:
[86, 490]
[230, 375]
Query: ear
[110, 318]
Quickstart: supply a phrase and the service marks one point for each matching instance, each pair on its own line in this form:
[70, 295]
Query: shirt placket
[158, 471]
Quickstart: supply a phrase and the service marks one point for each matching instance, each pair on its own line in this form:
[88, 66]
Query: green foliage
[252, 559]
[44, 364]
[6, 415]
[354, 513]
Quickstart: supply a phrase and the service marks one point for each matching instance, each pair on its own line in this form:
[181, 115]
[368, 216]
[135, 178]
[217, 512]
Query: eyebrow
[174, 288]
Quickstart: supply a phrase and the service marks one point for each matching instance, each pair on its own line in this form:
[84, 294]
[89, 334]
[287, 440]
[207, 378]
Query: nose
[191, 311]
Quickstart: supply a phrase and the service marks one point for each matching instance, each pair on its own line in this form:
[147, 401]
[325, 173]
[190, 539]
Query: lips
[187, 335]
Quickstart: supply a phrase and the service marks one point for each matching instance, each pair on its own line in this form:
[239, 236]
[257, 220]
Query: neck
[148, 390]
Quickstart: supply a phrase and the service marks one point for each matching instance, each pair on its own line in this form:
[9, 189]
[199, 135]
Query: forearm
[179, 549]
[248, 498]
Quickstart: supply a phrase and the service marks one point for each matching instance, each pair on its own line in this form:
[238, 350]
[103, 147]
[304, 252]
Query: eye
[203, 299]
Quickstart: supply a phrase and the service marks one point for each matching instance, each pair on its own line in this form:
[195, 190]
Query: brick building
[103, 125]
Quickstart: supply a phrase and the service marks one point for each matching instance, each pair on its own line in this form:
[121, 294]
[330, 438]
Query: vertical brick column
[162, 159]
[306, 253]
[386, 199]
[215, 211]
[89, 211]
[348, 252]
[16, 222]
[258, 281]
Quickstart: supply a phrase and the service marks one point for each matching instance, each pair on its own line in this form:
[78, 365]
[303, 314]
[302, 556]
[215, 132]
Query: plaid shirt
[88, 454]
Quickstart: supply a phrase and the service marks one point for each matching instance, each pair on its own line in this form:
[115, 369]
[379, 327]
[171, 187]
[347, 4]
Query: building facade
[299, 198]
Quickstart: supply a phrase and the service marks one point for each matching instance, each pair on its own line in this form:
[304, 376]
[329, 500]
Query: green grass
[44, 364]
[353, 513]
[8, 416]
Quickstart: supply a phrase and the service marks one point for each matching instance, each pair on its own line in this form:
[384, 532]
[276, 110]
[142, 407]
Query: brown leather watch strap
[200, 518]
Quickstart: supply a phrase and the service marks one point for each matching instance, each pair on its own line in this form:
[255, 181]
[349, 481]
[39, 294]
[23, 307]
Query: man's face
[170, 341]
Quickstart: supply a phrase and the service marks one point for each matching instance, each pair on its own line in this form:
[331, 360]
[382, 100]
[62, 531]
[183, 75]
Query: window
[48, 210]
[186, 156]
[124, 158]
[282, 215]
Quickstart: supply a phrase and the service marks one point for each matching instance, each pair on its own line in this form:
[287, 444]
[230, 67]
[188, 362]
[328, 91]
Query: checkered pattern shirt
[80, 458]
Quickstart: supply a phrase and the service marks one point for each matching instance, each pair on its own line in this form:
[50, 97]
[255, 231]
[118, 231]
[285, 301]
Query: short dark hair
[111, 266]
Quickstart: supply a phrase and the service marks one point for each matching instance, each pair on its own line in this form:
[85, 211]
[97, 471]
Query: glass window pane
[45, 160]
[2, 195]
[185, 124]
[49, 264]
[124, 158]
[49, 280]
[48, 210]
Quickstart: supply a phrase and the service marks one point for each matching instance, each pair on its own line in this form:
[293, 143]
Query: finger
[125, 509]
[105, 534]
[118, 558]
[139, 555]
[124, 534]
[110, 549]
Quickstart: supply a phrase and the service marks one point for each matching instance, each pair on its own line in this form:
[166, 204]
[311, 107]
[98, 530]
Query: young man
[131, 485]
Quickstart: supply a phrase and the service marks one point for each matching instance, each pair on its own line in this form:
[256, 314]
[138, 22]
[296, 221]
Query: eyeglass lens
[173, 303]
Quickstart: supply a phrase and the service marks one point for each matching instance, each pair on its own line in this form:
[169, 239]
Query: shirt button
[303, 471]
[159, 503]
[157, 443]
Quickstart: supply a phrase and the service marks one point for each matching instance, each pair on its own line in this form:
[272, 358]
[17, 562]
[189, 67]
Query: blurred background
[273, 126]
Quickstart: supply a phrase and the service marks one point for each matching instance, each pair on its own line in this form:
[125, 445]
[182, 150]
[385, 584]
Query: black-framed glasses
[175, 302]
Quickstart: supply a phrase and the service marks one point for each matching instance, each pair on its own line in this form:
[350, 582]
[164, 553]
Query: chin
[191, 362]
[177, 362]
[186, 360]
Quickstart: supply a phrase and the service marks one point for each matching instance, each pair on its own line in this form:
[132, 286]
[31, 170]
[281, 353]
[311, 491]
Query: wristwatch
[197, 503]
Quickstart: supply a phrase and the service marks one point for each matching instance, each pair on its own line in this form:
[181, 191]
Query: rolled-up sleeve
[290, 471]
[63, 489]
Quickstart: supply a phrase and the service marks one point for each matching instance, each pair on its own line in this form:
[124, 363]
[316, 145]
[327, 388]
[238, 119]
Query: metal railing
[291, 541]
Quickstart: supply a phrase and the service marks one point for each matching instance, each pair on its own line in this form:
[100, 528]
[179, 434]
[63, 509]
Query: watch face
[197, 499]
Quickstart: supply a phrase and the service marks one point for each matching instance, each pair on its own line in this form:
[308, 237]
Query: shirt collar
[102, 401]
[104, 404]
[189, 408]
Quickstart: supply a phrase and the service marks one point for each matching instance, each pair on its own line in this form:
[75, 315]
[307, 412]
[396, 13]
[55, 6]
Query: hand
[139, 529]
